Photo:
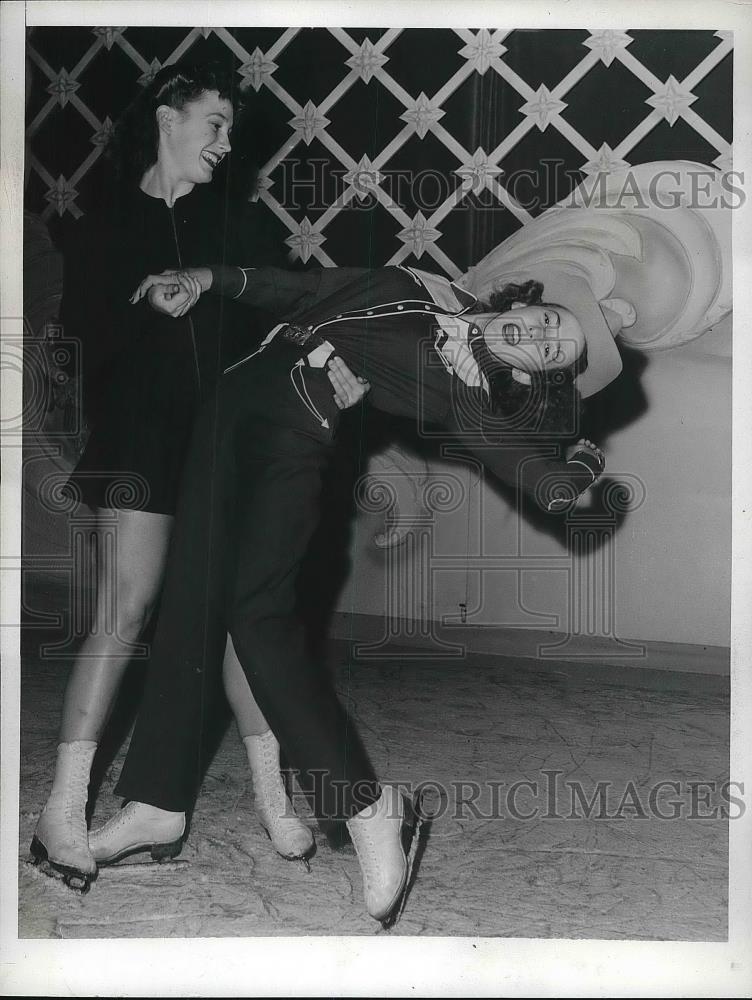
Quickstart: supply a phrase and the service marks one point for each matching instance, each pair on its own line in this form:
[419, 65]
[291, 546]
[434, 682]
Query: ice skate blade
[159, 852]
[414, 834]
[146, 864]
[302, 858]
[74, 879]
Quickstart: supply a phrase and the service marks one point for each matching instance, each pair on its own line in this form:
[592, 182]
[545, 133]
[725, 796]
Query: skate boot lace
[70, 805]
[270, 792]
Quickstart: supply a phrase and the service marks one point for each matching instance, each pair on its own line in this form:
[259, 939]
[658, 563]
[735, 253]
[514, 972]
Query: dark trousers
[248, 507]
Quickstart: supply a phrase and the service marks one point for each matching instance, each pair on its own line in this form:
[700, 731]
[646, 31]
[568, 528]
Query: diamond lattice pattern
[397, 145]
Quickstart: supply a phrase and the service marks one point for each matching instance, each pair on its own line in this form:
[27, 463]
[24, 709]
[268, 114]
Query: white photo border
[379, 966]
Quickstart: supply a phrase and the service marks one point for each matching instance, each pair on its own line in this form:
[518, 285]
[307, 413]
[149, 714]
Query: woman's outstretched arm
[282, 293]
[270, 288]
[527, 461]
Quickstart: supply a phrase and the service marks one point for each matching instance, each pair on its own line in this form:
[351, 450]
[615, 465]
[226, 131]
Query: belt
[319, 352]
[319, 349]
[301, 336]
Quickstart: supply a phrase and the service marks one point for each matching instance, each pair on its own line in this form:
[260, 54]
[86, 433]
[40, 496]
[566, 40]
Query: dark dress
[145, 374]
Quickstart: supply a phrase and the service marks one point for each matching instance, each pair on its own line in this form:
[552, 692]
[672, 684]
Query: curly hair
[135, 142]
[551, 405]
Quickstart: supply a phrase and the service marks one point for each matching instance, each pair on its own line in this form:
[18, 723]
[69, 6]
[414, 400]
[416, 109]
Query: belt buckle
[297, 334]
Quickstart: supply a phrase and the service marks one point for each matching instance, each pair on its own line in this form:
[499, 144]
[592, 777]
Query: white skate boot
[138, 827]
[60, 846]
[290, 837]
[385, 836]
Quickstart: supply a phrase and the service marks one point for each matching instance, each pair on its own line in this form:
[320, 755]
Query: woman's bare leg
[126, 595]
[248, 715]
[290, 837]
[128, 581]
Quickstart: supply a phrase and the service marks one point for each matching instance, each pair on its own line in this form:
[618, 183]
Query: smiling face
[533, 338]
[194, 141]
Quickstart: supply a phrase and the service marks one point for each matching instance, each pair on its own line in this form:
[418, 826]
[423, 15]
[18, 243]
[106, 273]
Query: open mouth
[511, 333]
[213, 159]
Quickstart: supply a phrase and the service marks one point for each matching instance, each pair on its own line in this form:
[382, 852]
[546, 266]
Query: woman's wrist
[227, 279]
[203, 276]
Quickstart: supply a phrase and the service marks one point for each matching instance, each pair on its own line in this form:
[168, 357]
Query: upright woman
[145, 377]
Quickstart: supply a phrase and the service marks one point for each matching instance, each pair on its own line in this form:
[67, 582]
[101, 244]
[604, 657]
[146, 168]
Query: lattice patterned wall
[388, 145]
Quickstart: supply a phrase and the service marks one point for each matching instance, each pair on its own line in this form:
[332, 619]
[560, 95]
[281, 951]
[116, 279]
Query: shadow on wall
[621, 403]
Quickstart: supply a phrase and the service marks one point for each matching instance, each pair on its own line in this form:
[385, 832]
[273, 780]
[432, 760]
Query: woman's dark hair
[551, 405]
[135, 141]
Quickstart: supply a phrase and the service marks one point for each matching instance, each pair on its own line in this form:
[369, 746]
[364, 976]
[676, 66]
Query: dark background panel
[106, 67]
